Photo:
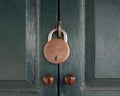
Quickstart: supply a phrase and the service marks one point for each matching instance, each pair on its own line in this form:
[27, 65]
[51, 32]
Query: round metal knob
[48, 79]
[70, 79]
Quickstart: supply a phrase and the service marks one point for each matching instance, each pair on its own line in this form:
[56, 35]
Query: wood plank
[73, 25]
[47, 22]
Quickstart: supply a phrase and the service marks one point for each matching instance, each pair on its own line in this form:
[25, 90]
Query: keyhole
[55, 58]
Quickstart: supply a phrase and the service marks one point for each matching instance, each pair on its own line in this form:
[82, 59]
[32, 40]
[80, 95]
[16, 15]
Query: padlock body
[56, 51]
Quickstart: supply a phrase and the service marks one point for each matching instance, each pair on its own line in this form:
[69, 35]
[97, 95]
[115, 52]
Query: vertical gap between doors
[58, 83]
[58, 20]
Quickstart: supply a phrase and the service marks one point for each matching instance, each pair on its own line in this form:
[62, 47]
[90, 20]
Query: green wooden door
[93, 29]
[21, 59]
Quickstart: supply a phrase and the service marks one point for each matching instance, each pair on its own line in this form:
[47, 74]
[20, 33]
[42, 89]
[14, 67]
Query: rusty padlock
[56, 50]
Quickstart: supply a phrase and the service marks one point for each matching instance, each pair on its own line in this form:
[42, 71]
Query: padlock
[56, 50]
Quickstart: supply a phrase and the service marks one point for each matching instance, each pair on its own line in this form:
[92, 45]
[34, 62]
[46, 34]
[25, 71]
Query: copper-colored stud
[70, 79]
[48, 79]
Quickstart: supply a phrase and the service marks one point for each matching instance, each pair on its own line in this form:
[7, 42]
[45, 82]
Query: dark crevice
[58, 83]
[59, 19]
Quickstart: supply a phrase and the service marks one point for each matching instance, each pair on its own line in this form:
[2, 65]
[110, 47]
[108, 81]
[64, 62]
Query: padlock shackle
[54, 30]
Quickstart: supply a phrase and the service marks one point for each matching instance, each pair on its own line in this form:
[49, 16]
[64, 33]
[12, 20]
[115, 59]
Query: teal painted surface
[24, 30]
[102, 44]
[86, 22]
[89, 41]
[12, 40]
[19, 94]
[47, 21]
[107, 30]
[18, 47]
[23, 37]
[70, 13]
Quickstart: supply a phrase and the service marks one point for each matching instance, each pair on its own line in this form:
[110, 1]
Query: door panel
[102, 43]
[107, 37]
[17, 45]
[13, 70]
[102, 47]
[22, 39]
[12, 40]
[48, 19]
[93, 33]
[70, 17]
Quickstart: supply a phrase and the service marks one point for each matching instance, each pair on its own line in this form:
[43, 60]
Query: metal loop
[54, 30]
[59, 29]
